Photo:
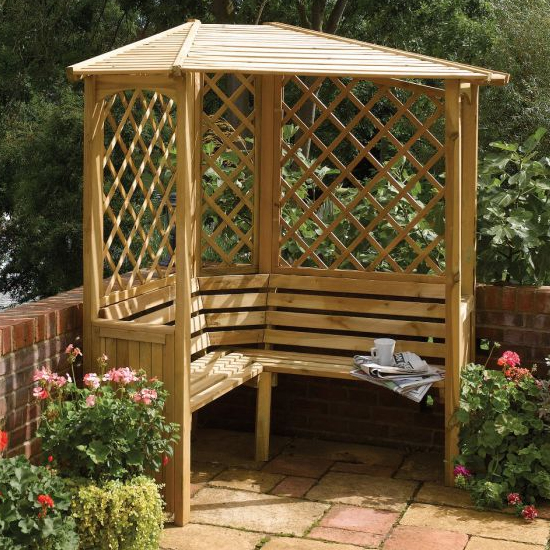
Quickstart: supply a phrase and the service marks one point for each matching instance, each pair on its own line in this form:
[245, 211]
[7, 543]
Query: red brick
[540, 322]
[23, 334]
[6, 335]
[542, 300]
[508, 298]
[525, 299]
[406, 537]
[493, 297]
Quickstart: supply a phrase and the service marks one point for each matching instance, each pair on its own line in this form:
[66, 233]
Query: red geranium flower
[529, 512]
[510, 358]
[165, 460]
[3, 441]
[514, 499]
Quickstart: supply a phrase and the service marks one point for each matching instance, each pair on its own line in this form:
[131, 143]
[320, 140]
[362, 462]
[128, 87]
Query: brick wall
[31, 336]
[36, 334]
[518, 318]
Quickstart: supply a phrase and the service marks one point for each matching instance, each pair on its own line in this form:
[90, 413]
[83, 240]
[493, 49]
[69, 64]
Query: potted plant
[34, 506]
[104, 437]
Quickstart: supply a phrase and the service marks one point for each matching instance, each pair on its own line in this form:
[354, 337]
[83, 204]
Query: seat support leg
[263, 416]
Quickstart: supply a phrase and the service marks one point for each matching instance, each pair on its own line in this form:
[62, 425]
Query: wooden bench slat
[233, 301]
[356, 324]
[235, 319]
[350, 343]
[357, 305]
[231, 282]
[358, 286]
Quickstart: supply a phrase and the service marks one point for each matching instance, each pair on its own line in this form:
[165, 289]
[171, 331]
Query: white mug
[383, 351]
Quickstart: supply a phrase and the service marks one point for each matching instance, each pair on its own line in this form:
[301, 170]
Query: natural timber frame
[226, 239]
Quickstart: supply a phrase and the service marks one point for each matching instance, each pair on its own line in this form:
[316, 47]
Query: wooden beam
[178, 65]
[453, 206]
[92, 216]
[470, 95]
[187, 148]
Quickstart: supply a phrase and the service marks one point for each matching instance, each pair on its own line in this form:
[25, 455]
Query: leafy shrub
[34, 508]
[503, 433]
[514, 214]
[113, 428]
[118, 515]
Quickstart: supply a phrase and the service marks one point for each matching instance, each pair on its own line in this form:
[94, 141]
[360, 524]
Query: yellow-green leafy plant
[118, 515]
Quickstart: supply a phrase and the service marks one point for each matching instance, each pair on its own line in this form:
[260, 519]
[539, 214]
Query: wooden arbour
[268, 199]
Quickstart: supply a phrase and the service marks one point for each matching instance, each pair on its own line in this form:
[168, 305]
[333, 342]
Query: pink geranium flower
[145, 396]
[514, 499]
[91, 380]
[90, 400]
[509, 358]
[123, 376]
[461, 471]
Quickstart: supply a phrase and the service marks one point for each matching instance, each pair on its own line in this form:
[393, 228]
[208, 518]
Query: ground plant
[504, 435]
[34, 506]
[112, 428]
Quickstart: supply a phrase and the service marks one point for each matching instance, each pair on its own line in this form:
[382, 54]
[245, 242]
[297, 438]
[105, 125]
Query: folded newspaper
[409, 375]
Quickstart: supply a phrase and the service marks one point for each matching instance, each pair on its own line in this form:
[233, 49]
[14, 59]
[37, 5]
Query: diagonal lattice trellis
[228, 171]
[360, 185]
[139, 175]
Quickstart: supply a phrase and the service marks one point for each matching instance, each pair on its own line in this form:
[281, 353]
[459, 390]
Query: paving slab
[304, 544]
[369, 469]
[474, 522]
[362, 490]
[366, 520]
[295, 487]
[247, 480]
[422, 467]
[433, 493]
[205, 471]
[405, 537]
[208, 537]
[235, 449]
[256, 512]
[343, 536]
[478, 543]
[345, 452]
[301, 466]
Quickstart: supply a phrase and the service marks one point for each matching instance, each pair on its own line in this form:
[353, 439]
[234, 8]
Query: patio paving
[320, 495]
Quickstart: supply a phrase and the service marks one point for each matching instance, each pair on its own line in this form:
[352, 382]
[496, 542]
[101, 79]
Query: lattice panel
[139, 174]
[228, 171]
[361, 186]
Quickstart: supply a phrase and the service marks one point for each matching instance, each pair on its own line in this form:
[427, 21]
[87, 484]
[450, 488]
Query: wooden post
[453, 206]
[266, 159]
[92, 226]
[470, 96]
[185, 187]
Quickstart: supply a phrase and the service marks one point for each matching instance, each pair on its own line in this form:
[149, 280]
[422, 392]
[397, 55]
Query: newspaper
[409, 375]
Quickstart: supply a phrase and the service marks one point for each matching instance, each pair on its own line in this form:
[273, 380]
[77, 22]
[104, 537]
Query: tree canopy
[41, 113]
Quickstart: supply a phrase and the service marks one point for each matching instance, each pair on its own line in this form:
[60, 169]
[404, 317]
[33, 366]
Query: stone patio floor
[322, 495]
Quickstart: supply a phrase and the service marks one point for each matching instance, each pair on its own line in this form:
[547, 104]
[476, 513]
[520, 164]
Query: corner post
[453, 217]
[92, 226]
[186, 100]
[470, 97]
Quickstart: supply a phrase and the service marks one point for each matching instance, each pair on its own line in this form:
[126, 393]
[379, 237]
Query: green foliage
[118, 515]
[116, 437]
[24, 523]
[503, 437]
[514, 213]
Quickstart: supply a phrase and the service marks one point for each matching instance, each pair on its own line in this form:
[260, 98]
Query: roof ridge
[504, 76]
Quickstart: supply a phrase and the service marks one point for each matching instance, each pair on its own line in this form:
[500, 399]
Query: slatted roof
[273, 48]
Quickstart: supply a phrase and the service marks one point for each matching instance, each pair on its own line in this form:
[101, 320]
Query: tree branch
[260, 11]
[304, 21]
[336, 16]
[317, 14]
[224, 11]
